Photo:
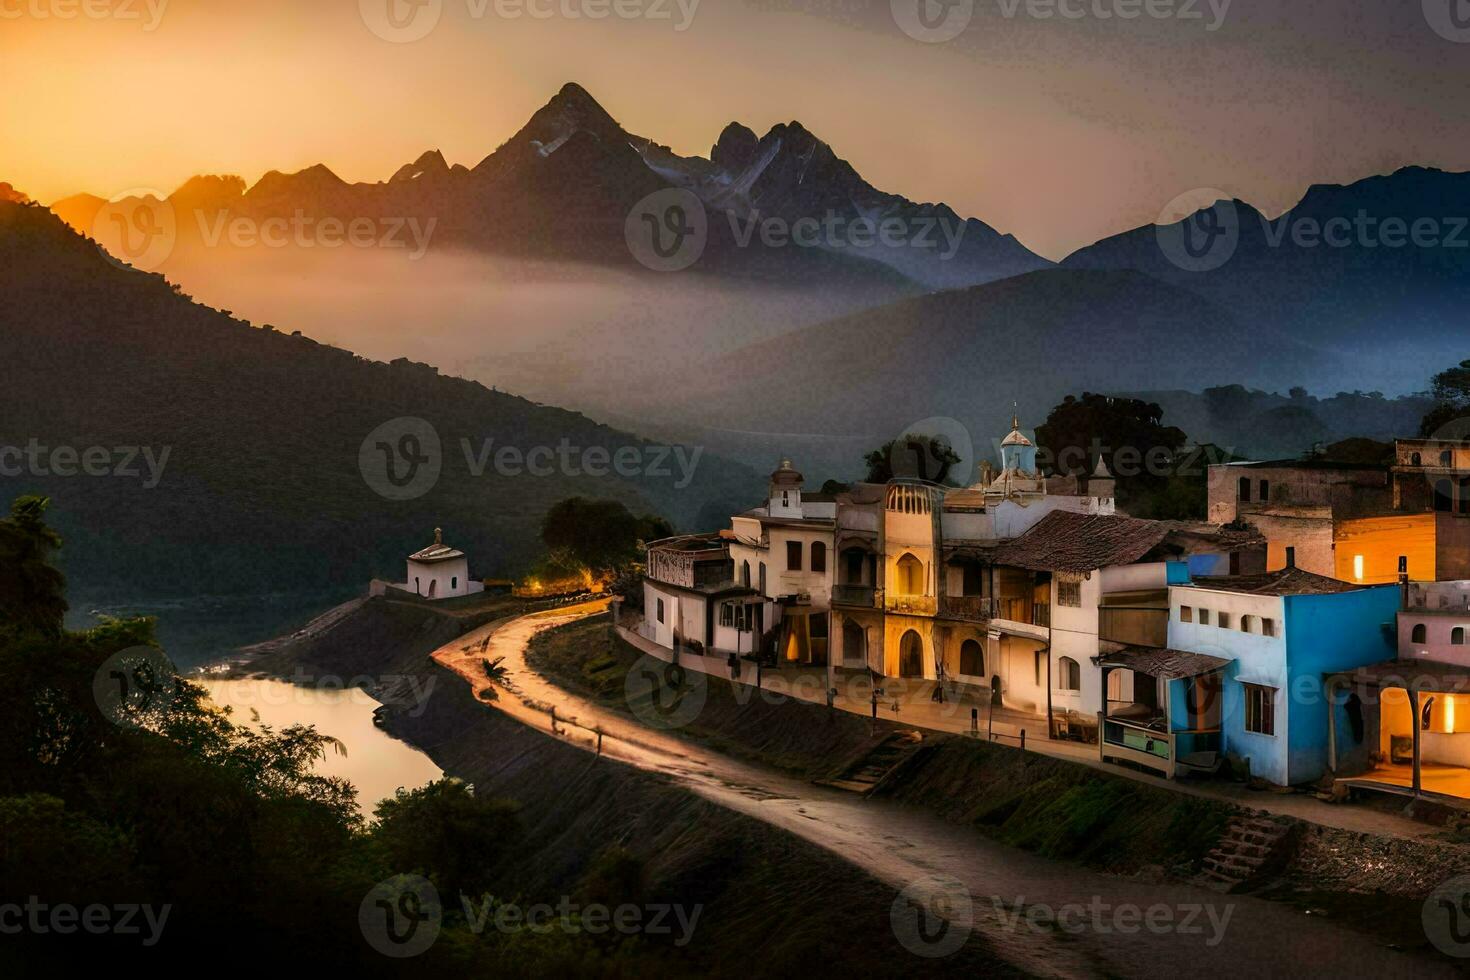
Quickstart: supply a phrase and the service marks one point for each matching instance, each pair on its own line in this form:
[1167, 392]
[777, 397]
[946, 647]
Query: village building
[1242, 674]
[1355, 521]
[438, 572]
[1403, 725]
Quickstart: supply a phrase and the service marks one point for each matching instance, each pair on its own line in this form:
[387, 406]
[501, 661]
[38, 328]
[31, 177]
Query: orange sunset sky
[1058, 130]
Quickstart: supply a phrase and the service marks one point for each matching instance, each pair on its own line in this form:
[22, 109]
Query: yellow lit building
[1367, 549]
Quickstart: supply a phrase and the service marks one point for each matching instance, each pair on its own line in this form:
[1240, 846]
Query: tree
[928, 458]
[601, 534]
[1140, 451]
[1451, 391]
[32, 591]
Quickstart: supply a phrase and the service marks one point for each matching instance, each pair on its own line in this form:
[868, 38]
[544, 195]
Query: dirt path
[1085, 924]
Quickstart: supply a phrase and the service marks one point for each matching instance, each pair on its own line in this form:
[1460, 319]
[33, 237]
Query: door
[911, 655]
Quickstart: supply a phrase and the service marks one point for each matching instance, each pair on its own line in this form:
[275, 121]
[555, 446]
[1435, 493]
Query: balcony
[862, 596]
[1134, 625]
[970, 608]
[1020, 609]
[912, 605]
[1167, 753]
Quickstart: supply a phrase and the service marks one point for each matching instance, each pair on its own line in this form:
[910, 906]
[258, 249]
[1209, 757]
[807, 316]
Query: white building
[439, 572]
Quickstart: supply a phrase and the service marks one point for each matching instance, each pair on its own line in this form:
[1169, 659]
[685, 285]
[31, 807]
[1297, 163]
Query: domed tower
[1017, 453]
[785, 498]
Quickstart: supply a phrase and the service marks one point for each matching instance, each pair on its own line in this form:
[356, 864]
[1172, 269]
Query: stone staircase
[1247, 850]
[864, 775]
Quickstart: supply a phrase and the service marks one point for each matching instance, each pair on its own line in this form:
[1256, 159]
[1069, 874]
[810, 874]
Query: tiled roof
[1287, 581]
[436, 552]
[1067, 542]
[1158, 661]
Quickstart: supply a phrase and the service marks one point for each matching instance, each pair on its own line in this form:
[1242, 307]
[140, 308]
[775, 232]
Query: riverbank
[595, 830]
[1049, 806]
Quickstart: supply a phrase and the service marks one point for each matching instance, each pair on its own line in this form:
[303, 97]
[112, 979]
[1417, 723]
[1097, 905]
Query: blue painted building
[1242, 674]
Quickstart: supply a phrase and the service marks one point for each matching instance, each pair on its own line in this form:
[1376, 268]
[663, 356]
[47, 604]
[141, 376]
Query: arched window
[1426, 714]
[1457, 636]
[819, 556]
[1071, 675]
[972, 659]
[1416, 459]
[1444, 495]
[1420, 634]
[1248, 624]
[1446, 458]
[910, 576]
[745, 574]
[453, 582]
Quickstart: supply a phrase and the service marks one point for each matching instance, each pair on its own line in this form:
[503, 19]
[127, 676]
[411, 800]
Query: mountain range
[763, 347]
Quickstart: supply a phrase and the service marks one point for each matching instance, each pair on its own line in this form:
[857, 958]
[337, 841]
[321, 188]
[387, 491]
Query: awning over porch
[1162, 662]
[1431, 676]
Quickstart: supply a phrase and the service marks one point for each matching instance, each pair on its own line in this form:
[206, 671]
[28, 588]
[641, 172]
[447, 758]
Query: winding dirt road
[1046, 917]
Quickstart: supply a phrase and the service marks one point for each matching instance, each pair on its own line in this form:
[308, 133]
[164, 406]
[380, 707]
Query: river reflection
[375, 763]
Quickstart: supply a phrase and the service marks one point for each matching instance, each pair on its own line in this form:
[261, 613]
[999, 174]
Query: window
[1204, 617]
[1223, 621]
[1416, 460]
[1457, 636]
[763, 578]
[1247, 624]
[660, 610]
[1420, 634]
[1186, 614]
[1268, 626]
[793, 556]
[972, 658]
[1358, 567]
[1260, 709]
[819, 556]
[1245, 490]
[1265, 490]
[727, 614]
[910, 575]
[785, 498]
[1069, 593]
[1446, 458]
[745, 574]
[1465, 495]
[454, 582]
[1070, 672]
[1427, 714]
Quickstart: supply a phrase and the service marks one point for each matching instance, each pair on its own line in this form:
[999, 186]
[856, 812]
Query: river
[377, 764]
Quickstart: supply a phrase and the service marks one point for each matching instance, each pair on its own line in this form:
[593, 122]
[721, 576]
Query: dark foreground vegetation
[236, 857]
